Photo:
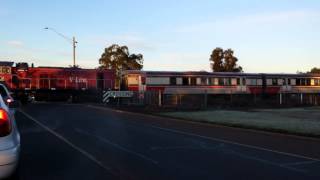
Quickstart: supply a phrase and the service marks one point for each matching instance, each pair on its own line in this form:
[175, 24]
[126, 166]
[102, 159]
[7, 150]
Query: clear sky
[267, 36]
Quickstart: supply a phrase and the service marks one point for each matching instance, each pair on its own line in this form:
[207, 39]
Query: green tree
[224, 61]
[315, 70]
[216, 59]
[118, 58]
[230, 62]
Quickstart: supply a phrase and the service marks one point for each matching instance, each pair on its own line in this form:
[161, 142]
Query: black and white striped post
[105, 96]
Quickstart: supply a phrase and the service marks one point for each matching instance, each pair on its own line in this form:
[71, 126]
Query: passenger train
[198, 82]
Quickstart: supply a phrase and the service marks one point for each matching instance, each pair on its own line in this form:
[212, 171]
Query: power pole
[74, 51]
[73, 41]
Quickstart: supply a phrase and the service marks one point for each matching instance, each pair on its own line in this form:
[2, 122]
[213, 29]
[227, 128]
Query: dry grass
[294, 120]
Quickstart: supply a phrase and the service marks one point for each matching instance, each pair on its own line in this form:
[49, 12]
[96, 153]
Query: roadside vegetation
[302, 121]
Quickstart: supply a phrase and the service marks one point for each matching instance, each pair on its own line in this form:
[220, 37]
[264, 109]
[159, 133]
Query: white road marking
[235, 143]
[299, 163]
[207, 124]
[83, 152]
[206, 137]
[160, 148]
[104, 140]
[265, 161]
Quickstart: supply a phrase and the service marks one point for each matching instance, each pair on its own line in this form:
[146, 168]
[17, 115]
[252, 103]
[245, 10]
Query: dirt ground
[304, 121]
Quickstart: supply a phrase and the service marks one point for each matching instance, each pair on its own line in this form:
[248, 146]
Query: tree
[224, 61]
[230, 62]
[118, 58]
[315, 70]
[216, 58]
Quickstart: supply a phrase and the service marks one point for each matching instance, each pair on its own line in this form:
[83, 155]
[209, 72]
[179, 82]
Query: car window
[3, 92]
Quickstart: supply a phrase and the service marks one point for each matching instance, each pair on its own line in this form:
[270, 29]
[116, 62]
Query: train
[45, 82]
[200, 82]
[27, 81]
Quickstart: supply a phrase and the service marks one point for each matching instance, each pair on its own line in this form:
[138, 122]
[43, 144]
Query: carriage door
[241, 84]
[100, 81]
[142, 83]
[264, 84]
[44, 81]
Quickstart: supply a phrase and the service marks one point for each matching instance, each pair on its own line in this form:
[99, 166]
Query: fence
[157, 99]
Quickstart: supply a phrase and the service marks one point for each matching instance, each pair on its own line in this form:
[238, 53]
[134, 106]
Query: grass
[303, 121]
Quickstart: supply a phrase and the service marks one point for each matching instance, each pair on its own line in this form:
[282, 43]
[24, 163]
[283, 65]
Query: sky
[274, 36]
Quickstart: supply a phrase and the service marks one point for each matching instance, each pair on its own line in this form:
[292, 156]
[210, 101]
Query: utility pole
[74, 51]
[119, 85]
[73, 41]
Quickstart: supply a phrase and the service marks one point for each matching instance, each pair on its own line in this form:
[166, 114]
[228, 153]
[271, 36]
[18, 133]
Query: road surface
[76, 141]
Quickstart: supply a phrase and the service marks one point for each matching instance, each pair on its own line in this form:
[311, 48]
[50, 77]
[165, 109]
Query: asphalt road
[65, 141]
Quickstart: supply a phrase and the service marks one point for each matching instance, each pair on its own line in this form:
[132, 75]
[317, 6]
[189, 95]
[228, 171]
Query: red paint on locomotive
[133, 88]
[57, 78]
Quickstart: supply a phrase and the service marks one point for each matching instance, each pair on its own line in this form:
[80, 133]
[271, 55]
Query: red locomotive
[42, 81]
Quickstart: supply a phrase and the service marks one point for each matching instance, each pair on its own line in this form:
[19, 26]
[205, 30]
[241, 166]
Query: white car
[4, 92]
[9, 139]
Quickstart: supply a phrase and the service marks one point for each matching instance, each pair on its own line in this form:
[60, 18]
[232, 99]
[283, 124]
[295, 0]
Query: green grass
[304, 121]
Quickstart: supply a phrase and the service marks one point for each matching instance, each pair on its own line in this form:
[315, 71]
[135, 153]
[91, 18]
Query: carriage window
[185, 81]
[5, 70]
[173, 81]
[143, 80]
[316, 82]
[288, 81]
[193, 81]
[284, 82]
[243, 81]
[298, 82]
[221, 81]
[211, 81]
[203, 81]
[227, 81]
[308, 82]
[253, 82]
[132, 80]
[238, 81]
[302, 82]
[274, 82]
[214, 81]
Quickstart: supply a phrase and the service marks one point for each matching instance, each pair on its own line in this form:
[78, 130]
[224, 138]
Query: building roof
[6, 63]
